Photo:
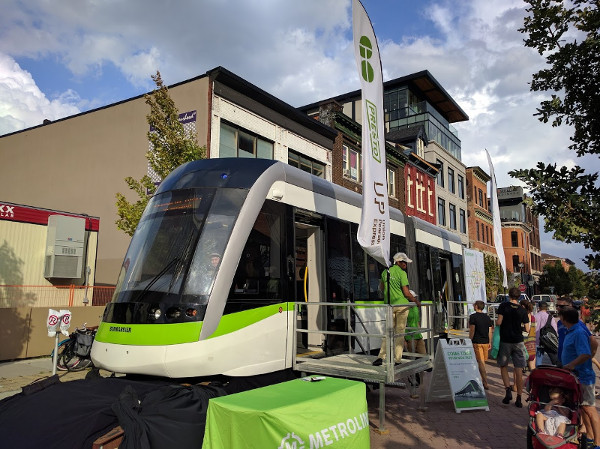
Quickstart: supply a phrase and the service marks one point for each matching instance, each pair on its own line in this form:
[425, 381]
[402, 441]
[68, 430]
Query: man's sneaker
[508, 396]
[518, 402]
[377, 362]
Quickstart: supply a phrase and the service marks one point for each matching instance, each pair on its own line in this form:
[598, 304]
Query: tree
[579, 287]
[554, 275]
[566, 34]
[493, 276]
[172, 146]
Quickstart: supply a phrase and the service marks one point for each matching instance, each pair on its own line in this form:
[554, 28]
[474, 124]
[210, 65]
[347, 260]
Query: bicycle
[74, 351]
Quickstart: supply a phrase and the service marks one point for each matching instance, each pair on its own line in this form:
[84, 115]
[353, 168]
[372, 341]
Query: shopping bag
[495, 342]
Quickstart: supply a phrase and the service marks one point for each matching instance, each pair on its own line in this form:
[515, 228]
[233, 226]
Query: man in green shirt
[399, 293]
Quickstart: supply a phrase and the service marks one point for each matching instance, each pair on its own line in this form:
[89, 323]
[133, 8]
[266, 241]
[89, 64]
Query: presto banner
[374, 228]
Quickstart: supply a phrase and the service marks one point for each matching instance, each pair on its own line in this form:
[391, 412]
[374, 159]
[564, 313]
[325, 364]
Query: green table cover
[298, 414]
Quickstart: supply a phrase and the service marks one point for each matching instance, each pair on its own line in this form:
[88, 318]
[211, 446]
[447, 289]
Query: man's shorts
[481, 351]
[516, 351]
[588, 393]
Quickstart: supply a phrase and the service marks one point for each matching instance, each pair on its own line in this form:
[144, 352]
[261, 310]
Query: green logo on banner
[373, 131]
[366, 51]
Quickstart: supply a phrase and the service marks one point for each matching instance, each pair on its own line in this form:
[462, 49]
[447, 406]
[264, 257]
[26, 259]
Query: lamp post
[521, 265]
[531, 290]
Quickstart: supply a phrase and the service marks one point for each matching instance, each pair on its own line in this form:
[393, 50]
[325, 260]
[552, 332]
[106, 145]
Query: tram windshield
[178, 246]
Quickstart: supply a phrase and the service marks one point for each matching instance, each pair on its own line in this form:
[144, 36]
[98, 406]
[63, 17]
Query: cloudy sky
[61, 57]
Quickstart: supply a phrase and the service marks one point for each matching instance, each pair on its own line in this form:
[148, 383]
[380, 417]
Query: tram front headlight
[173, 313]
[155, 313]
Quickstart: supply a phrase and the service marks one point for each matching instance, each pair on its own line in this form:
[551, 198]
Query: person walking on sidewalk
[399, 293]
[480, 333]
[577, 356]
[541, 318]
[512, 319]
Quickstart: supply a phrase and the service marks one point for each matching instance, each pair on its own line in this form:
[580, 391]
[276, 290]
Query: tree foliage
[172, 146]
[554, 275]
[493, 276]
[566, 34]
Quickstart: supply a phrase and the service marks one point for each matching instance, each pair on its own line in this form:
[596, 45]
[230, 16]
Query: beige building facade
[79, 163]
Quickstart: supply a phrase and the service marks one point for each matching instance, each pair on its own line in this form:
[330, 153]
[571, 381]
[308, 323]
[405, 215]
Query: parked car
[550, 299]
[493, 307]
[504, 298]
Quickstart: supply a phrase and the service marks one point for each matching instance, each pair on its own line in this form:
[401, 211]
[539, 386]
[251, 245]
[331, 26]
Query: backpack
[549, 337]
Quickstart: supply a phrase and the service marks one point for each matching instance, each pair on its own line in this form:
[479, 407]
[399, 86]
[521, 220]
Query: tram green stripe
[177, 333]
[235, 321]
[149, 334]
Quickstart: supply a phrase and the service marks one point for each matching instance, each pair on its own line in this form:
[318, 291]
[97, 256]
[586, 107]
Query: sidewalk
[16, 375]
[440, 427]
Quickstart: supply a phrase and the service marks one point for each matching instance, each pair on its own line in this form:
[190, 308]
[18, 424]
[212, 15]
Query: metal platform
[360, 367]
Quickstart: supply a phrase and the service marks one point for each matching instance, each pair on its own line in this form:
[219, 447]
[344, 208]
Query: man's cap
[401, 257]
[215, 255]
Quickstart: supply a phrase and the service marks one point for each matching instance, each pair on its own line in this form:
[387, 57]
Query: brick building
[481, 225]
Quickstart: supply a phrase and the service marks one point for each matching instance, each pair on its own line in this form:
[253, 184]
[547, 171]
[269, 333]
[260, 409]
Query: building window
[461, 187]
[452, 213]
[236, 142]
[451, 180]
[306, 164]
[391, 178]
[487, 235]
[477, 227]
[441, 212]
[440, 175]
[420, 148]
[514, 239]
[515, 260]
[351, 163]
[480, 198]
[463, 221]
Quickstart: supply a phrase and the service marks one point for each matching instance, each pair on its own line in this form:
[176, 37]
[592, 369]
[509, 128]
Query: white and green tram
[225, 248]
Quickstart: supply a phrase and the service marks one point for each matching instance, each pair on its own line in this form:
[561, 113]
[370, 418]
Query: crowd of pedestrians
[531, 339]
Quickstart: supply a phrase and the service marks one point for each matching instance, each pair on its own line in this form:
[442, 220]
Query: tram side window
[339, 261]
[424, 273]
[259, 273]
[366, 271]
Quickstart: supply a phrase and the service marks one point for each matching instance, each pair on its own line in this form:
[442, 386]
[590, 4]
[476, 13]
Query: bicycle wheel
[82, 363]
[67, 359]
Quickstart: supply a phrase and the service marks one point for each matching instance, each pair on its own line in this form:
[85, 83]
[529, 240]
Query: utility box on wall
[65, 245]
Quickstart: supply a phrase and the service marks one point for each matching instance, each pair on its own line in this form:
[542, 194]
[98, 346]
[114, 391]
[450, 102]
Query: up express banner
[300, 414]
[374, 228]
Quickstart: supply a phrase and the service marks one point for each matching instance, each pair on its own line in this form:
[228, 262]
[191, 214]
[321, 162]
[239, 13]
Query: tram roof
[243, 173]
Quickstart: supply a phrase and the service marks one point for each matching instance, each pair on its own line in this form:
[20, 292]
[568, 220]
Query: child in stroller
[554, 401]
[554, 417]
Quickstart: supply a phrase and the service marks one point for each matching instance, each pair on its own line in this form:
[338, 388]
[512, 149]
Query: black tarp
[74, 414]
[154, 413]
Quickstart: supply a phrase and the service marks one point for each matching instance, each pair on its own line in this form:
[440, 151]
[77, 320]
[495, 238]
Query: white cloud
[22, 104]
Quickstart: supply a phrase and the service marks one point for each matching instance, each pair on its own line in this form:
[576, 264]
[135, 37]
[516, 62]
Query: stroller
[540, 381]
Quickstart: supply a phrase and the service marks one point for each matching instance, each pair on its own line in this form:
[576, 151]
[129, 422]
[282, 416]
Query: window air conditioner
[64, 247]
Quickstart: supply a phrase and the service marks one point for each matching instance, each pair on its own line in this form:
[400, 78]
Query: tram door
[310, 279]
[447, 291]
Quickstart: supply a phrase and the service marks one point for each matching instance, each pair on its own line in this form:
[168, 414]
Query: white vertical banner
[497, 223]
[374, 229]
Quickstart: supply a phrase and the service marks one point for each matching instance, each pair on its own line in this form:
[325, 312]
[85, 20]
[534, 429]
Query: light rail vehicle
[223, 251]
